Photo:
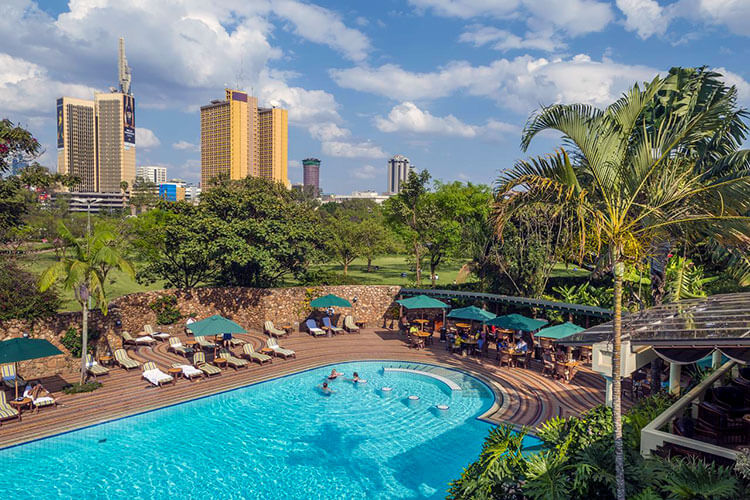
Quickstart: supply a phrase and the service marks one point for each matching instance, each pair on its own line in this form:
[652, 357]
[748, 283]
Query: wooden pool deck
[524, 396]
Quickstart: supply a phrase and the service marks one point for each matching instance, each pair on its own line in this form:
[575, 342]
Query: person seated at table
[334, 374]
[325, 389]
[521, 345]
[502, 343]
[413, 330]
[457, 343]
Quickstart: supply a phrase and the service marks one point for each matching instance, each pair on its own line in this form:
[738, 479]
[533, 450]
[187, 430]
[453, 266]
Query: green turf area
[390, 269]
[562, 270]
[118, 284]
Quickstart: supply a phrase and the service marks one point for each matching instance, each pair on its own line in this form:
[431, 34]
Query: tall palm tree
[628, 183]
[82, 272]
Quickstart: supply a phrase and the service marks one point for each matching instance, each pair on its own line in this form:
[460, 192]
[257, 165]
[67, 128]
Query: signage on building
[128, 118]
[60, 116]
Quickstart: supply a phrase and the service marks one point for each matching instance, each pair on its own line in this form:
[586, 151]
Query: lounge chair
[199, 361]
[10, 377]
[188, 371]
[312, 327]
[125, 361]
[330, 326]
[41, 401]
[278, 350]
[232, 361]
[349, 324]
[249, 352]
[6, 410]
[157, 335]
[154, 375]
[175, 345]
[235, 342]
[272, 331]
[128, 339]
[94, 368]
[204, 343]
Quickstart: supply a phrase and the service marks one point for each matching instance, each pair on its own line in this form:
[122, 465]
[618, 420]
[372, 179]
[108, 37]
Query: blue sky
[448, 83]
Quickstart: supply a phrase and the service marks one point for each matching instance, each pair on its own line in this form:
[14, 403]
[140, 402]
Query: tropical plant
[691, 479]
[629, 185]
[684, 279]
[167, 312]
[81, 272]
[72, 341]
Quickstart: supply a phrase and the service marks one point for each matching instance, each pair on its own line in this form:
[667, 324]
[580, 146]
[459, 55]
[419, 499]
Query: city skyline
[448, 84]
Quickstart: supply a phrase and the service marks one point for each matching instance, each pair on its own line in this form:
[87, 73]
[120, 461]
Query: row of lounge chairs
[328, 327]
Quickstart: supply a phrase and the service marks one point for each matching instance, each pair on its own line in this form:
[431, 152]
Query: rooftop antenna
[123, 69]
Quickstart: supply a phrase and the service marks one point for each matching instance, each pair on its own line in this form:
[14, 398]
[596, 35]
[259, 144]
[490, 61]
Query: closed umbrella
[330, 300]
[22, 349]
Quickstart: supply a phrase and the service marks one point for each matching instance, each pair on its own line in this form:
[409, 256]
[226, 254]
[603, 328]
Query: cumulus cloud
[519, 84]
[354, 149]
[645, 17]
[185, 146]
[145, 138]
[408, 117]
[503, 40]
[366, 172]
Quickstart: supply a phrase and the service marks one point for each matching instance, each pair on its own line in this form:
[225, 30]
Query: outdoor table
[463, 325]
[105, 360]
[287, 328]
[176, 373]
[191, 343]
[360, 324]
[220, 362]
[422, 333]
[20, 405]
[267, 350]
[472, 345]
[421, 321]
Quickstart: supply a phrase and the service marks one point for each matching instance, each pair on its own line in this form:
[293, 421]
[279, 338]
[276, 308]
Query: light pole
[88, 204]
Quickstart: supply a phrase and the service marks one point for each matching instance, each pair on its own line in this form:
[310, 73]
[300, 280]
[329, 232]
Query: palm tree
[628, 184]
[82, 272]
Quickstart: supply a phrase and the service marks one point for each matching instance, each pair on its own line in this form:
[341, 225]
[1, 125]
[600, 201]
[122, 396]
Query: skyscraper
[96, 139]
[398, 172]
[311, 175]
[239, 140]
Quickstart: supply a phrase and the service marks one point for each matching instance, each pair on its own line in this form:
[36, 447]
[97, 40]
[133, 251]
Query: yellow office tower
[76, 141]
[115, 124]
[238, 140]
[273, 142]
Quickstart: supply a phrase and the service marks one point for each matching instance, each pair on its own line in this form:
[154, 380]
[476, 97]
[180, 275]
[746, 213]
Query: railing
[597, 312]
[652, 438]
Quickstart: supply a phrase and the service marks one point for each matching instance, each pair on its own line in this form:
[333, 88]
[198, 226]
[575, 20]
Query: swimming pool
[277, 439]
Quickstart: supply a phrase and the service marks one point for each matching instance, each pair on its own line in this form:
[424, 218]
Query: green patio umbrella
[215, 325]
[422, 302]
[24, 348]
[330, 300]
[517, 322]
[471, 313]
[558, 332]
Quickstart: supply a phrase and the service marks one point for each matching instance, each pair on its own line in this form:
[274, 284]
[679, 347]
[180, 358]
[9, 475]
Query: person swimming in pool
[334, 374]
[325, 389]
[355, 379]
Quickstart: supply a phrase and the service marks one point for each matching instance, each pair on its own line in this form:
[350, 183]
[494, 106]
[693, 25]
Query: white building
[155, 174]
[359, 195]
[398, 172]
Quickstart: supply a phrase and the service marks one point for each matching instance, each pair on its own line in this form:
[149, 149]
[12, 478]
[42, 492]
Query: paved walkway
[524, 396]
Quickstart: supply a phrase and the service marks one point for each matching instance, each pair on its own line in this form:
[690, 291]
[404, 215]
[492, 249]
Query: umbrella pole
[16, 379]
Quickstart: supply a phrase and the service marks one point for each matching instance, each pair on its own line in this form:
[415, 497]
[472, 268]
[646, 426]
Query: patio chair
[278, 350]
[125, 361]
[523, 361]
[312, 327]
[199, 361]
[248, 351]
[730, 399]
[204, 343]
[128, 339]
[232, 361]
[330, 326]
[154, 375]
[147, 330]
[716, 426]
[188, 371]
[350, 325]
[503, 358]
[94, 368]
[416, 342]
[39, 402]
[7, 411]
[175, 345]
[272, 331]
[548, 367]
[235, 342]
[10, 377]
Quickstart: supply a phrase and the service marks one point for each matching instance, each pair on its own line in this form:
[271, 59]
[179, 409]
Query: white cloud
[408, 117]
[366, 172]
[468, 8]
[503, 40]
[305, 106]
[734, 14]
[363, 149]
[185, 146]
[520, 84]
[145, 138]
[743, 86]
[645, 17]
[327, 131]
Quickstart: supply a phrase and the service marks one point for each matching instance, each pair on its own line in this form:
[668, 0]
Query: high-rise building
[96, 139]
[239, 140]
[154, 174]
[76, 141]
[273, 144]
[311, 174]
[398, 172]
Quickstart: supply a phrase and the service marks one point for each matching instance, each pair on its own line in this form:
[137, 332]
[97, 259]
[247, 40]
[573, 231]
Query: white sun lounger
[155, 375]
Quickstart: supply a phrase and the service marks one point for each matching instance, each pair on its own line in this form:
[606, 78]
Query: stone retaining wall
[250, 307]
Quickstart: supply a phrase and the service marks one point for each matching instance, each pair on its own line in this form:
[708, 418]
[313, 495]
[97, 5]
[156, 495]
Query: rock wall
[250, 307]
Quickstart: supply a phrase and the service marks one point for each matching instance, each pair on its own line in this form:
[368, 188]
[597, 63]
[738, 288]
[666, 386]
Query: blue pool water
[275, 439]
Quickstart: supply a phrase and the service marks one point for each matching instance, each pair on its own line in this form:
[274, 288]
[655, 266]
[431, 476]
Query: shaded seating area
[328, 325]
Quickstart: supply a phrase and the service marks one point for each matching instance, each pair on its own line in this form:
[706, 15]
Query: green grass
[562, 270]
[119, 283]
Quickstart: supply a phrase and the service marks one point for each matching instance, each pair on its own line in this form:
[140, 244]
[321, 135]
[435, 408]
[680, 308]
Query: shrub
[166, 310]
[78, 387]
[20, 297]
[72, 341]
[643, 412]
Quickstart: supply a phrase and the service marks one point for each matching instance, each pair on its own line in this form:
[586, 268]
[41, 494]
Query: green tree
[16, 143]
[20, 297]
[629, 184]
[344, 238]
[81, 273]
[143, 194]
